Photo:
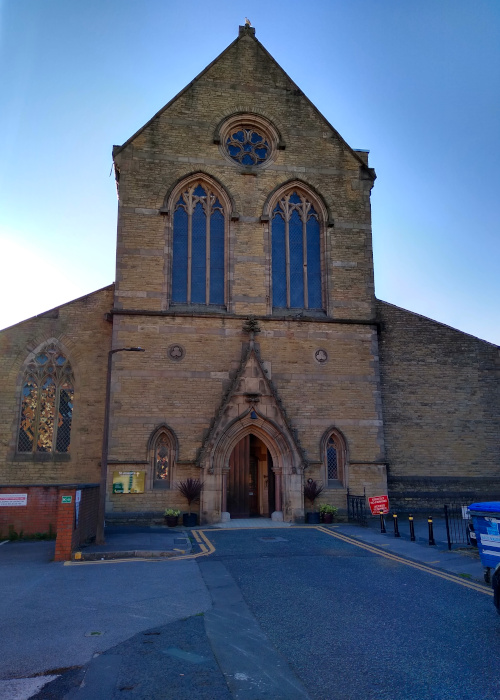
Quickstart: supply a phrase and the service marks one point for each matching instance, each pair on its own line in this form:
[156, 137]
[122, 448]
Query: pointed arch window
[198, 255]
[162, 448]
[296, 253]
[334, 459]
[46, 404]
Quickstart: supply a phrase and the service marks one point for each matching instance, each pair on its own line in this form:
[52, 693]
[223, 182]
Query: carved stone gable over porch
[252, 406]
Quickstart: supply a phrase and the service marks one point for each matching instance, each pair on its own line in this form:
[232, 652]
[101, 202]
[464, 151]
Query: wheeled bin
[486, 519]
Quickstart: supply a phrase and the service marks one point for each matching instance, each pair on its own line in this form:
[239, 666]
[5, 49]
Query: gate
[457, 518]
[356, 508]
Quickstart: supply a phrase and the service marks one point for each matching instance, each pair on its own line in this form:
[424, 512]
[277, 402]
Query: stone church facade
[245, 271]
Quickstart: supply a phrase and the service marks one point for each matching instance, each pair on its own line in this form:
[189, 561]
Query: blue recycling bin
[486, 519]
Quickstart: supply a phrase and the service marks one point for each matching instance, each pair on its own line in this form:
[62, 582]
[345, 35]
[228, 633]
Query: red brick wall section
[87, 517]
[65, 525]
[38, 515]
[70, 537]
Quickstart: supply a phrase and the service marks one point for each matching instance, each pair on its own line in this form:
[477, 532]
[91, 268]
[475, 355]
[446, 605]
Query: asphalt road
[271, 614]
[355, 625]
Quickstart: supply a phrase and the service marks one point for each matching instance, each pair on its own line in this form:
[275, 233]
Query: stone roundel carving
[321, 356]
[176, 352]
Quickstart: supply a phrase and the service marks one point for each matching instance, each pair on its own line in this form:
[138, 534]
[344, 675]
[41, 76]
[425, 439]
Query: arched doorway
[251, 484]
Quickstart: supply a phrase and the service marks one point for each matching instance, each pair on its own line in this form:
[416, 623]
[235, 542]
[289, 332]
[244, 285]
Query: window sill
[41, 457]
[161, 485]
[298, 313]
[197, 308]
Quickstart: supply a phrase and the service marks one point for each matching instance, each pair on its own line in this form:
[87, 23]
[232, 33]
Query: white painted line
[4, 542]
[23, 688]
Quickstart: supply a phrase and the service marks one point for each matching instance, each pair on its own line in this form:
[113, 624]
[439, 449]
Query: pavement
[123, 542]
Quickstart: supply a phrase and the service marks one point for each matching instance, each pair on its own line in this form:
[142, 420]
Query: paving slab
[128, 542]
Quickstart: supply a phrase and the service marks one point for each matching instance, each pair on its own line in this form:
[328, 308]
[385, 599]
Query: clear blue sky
[416, 83]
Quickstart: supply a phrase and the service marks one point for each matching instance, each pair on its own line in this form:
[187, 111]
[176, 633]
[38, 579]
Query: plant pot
[312, 518]
[328, 518]
[171, 520]
[190, 519]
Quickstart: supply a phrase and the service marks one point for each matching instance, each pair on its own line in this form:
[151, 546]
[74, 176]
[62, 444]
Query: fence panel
[356, 509]
[457, 518]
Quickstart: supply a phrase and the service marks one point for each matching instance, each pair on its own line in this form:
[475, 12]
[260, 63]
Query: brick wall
[69, 534]
[441, 406]
[38, 516]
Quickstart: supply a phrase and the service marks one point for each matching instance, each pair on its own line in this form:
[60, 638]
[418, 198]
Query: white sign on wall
[13, 499]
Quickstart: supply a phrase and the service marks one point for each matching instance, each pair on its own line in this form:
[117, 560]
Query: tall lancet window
[296, 253]
[198, 247]
[46, 404]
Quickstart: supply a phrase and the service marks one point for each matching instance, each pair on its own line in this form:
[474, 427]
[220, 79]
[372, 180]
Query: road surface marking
[401, 560]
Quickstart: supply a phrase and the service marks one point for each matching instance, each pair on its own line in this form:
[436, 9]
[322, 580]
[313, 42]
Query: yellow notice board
[128, 482]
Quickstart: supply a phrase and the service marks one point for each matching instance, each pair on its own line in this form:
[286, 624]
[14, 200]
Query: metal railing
[356, 508]
[457, 518]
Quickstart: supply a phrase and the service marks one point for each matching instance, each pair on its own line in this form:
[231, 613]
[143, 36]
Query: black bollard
[382, 522]
[431, 532]
[412, 528]
[396, 526]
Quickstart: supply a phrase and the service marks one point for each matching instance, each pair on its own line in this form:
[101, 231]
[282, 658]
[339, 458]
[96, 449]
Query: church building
[244, 270]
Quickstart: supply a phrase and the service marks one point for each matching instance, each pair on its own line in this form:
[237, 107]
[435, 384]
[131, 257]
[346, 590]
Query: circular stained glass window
[247, 146]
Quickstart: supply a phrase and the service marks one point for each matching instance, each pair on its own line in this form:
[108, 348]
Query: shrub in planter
[327, 512]
[191, 490]
[171, 516]
[311, 492]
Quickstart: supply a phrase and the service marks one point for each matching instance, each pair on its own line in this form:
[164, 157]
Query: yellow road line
[401, 560]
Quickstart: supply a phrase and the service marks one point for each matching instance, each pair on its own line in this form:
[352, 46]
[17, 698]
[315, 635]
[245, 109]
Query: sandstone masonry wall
[441, 406]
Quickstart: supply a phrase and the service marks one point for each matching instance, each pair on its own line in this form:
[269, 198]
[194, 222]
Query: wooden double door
[251, 482]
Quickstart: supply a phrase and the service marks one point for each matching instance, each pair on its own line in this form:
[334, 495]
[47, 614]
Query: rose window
[247, 147]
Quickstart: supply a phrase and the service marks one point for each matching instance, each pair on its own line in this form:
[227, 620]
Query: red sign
[379, 504]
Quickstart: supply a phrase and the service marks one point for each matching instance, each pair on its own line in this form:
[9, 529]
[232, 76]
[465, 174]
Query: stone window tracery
[247, 146]
[248, 140]
[162, 458]
[296, 253]
[198, 255]
[334, 458]
[46, 404]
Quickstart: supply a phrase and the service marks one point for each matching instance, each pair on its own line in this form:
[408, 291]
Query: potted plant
[311, 491]
[327, 512]
[171, 516]
[191, 490]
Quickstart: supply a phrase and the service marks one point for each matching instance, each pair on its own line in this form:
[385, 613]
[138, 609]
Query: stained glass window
[46, 404]
[198, 257]
[162, 456]
[296, 254]
[247, 146]
[332, 460]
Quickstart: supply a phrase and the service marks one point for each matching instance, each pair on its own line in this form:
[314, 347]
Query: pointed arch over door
[200, 212]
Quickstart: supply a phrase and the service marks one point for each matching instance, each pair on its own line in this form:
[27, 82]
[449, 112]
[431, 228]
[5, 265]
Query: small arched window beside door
[162, 453]
[334, 458]
[199, 221]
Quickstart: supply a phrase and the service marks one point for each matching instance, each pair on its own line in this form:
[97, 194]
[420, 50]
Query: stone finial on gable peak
[246, 29]
[251, 326]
